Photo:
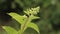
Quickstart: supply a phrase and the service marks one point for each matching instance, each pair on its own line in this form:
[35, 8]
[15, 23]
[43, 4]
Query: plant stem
[24, 26]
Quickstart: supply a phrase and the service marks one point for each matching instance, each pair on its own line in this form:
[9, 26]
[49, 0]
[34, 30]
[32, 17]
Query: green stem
[24, 26]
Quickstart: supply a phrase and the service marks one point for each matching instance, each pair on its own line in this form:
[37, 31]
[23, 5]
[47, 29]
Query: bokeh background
[49, 22]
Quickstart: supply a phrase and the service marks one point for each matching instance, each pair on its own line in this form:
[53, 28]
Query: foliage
[49, 13]
[25, 21]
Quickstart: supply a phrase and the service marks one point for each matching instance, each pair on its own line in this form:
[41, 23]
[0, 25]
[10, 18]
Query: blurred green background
[49, 22]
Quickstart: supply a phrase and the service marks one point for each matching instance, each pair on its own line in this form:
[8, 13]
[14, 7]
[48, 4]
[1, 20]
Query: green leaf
[34, 26]
[18, 17]
[34, 17]
[10, 30]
